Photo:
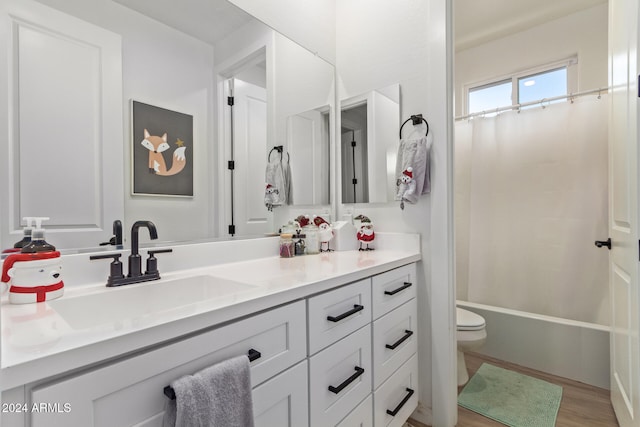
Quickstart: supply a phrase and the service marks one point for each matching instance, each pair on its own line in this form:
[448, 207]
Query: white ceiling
[207, 20]
[480, 21]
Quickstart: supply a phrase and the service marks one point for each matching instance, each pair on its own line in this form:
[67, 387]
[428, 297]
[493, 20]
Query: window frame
[568, 63]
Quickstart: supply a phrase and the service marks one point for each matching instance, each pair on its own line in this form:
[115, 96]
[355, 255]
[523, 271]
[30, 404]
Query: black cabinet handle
[356, 308]
[251, 354]
[406, 398]
[352, 378]
[401, 288]
[407, 334]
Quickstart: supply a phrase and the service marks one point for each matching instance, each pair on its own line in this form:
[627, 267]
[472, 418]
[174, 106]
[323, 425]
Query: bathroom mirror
[369, 144]
[172, 56]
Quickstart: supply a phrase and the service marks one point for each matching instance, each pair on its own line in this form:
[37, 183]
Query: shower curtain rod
[540, 101]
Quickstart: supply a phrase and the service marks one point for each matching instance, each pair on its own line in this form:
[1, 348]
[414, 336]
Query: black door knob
[601, 243]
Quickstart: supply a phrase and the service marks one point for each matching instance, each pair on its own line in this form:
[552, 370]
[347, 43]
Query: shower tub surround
[204, 287]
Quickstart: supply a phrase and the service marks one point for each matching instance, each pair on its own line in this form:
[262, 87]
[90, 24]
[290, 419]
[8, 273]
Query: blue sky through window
[490, 97]
[542, 85]
[534, 87]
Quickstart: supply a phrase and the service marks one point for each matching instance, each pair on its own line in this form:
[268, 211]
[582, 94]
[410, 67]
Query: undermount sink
[139, 304]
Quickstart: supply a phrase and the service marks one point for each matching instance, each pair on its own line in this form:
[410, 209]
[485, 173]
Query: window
[490, 97]
[529, 86]
[542, 85]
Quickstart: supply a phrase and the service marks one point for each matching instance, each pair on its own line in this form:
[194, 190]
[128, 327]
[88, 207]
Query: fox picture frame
[162, 149]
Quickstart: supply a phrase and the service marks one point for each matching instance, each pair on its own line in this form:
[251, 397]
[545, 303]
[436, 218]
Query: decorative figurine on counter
[406, 186]
[365, 233]
[325, 233]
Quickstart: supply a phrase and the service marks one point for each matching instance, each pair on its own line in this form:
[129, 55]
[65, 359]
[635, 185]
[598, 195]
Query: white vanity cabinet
[130, 392]
[361, 336]
[343, 357]
[395, 360]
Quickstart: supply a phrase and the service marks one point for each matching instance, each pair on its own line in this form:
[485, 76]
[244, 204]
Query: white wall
[312, 24]
[583, 33]
[163, 67]
[407, 44]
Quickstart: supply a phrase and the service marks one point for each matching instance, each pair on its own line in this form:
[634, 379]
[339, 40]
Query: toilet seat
[468, 321]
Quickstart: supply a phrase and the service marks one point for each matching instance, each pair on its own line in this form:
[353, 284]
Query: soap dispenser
[34, 274]
[26, 237]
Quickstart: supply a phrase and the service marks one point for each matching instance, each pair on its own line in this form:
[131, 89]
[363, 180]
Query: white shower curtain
[531, 199]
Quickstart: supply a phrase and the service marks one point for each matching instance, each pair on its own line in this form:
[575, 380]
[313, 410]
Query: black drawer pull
[407, 334]
[251, 354]
[401, 288]
[352, 378]
[356, 308]
[407, 397]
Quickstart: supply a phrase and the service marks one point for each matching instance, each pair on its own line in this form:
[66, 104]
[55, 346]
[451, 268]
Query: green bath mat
[511, 398]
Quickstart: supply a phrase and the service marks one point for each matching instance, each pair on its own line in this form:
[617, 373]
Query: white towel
[415, 154]
[277, 178]
[217, 396]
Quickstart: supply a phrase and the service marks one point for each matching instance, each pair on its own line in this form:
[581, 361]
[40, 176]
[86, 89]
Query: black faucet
[116, 278]
[135, 260]
[116, 240]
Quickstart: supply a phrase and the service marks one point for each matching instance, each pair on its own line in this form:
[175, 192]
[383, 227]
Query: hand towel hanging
[413, 165]
[277, 178]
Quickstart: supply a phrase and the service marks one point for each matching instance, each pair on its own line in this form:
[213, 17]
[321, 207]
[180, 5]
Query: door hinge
[232, 229]
[353, 143]
[230, 100]
[231, 165]
[354, 181]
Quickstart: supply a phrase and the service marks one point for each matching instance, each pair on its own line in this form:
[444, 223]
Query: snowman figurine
[406, 186]
[325, 233]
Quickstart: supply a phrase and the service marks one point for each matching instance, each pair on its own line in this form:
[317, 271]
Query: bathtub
[567, 348]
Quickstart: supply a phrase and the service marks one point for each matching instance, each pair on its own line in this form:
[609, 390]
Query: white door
[250, 215]
[61, 121]
[307, 143]
[623, 212]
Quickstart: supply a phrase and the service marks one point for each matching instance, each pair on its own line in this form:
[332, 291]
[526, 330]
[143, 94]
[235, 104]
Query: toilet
[471, 335]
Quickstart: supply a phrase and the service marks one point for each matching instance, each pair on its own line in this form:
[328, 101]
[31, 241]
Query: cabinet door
[340, 378]
[395, 339]
[335, 314]
[392, 289]
[283, 401]
[130, 392]
[397, 398]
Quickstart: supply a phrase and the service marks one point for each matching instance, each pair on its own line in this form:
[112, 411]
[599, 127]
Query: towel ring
[417, 119]
[279, 149]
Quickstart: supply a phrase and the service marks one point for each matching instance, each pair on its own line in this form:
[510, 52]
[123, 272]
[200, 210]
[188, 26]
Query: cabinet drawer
[339, 367]
[335, 314]
[393, 288]
[398, 395]
[394, 340]
[282, 401]
[130, 392]
[362, 416]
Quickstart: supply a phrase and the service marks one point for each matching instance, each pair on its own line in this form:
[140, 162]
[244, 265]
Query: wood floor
[581, 406]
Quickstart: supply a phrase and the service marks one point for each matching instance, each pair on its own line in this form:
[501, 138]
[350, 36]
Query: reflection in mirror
[308, 141]
[166, 54]
[369, 144]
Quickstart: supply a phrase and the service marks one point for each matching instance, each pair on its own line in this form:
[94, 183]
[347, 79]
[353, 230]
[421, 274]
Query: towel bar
[251, 354]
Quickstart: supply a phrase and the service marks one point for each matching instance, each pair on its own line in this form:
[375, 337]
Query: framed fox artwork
[162, 151]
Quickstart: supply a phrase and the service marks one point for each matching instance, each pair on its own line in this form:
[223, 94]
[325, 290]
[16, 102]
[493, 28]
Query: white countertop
[91, 324]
